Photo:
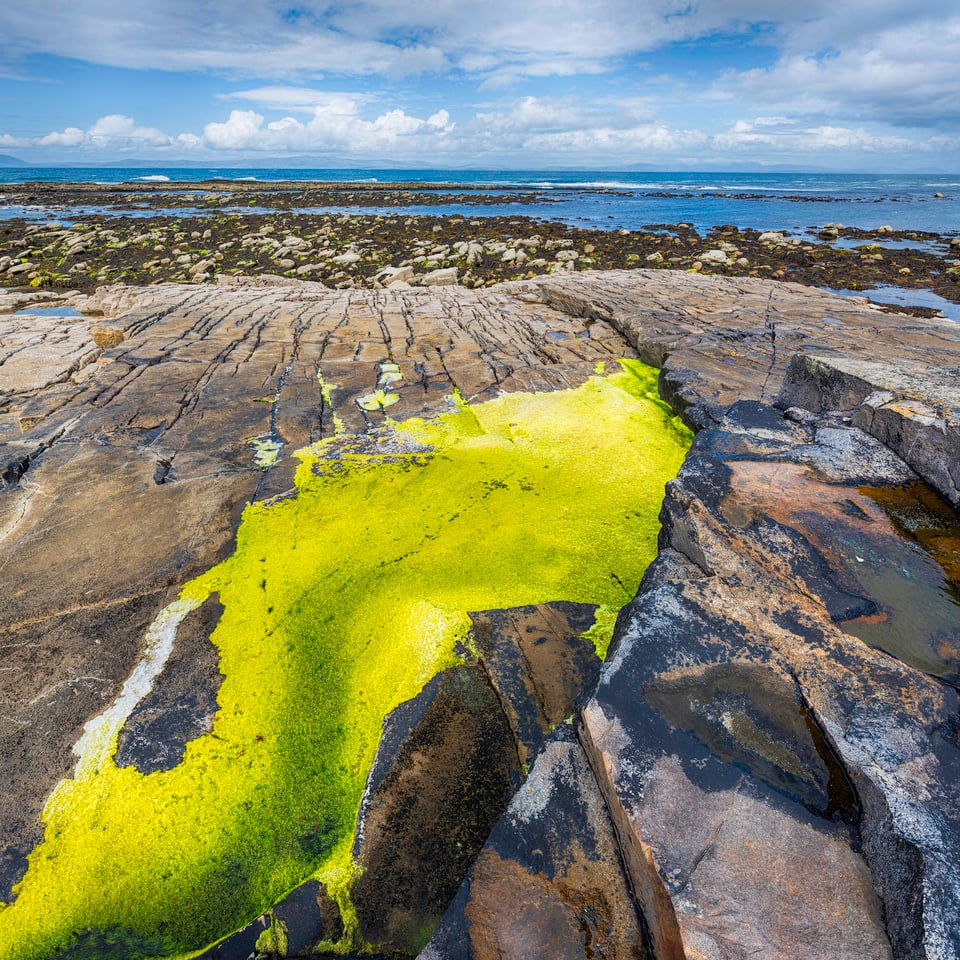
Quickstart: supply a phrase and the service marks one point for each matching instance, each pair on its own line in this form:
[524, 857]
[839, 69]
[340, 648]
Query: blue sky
[596, 84]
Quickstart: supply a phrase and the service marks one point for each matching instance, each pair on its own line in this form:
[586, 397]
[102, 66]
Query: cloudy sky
[868, 85]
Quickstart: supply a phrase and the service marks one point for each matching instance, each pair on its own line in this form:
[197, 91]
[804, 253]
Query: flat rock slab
[126, 464]
[722, 339]
[131, 442]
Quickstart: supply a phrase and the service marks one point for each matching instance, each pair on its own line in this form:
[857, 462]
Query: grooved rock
[548, 883]
[911, 407]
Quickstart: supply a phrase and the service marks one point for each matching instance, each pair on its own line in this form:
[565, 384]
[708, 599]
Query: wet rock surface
[427, 814]
[768, 764]
[754, 767]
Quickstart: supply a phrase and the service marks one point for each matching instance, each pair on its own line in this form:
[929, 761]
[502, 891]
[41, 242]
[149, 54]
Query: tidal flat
[79, 236]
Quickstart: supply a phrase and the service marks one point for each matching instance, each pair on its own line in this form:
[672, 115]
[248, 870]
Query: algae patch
[339, 604]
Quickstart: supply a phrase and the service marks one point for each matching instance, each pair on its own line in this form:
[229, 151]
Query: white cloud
[336, 124]
[71, 137]
[844, 77]
[904, 75]
[7, 140]
[792, 137]
[116, 127]
[113, 131]
[498, 40]
[299, 99]
[440, 121]
[528, 131]
[238, 131]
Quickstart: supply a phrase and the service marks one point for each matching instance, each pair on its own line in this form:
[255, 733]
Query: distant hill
[7, 161]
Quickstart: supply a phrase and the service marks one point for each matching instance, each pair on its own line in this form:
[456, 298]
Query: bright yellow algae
[339, 604]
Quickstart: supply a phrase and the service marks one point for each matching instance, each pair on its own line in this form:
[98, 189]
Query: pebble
[714, 256]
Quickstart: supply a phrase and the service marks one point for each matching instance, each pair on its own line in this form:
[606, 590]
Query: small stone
[106, 337]
[440, 278]
[714, 256]
[202, 267]
[388, 276]
[21, 268]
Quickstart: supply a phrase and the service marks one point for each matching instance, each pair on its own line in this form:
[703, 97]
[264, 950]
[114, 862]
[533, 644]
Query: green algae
[266, 450]
[601, 633]
[378, 400]
[340, 604]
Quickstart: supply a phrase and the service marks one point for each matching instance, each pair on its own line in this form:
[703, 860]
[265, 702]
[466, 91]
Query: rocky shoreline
[768, 762]
[135, 238]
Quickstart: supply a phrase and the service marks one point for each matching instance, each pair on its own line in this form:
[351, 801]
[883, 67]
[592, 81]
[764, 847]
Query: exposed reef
[367, 235]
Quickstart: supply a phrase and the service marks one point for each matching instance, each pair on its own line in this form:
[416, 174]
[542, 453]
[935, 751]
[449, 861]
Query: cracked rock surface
[768, 763]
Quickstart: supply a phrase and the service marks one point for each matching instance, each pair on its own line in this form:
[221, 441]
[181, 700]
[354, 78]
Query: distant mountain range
[7, 161]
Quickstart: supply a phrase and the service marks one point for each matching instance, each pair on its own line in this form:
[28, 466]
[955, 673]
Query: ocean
[604, 200]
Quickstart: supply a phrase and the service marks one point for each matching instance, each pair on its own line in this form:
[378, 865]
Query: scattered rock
[714, 256]
[105, 337]
[439, 278]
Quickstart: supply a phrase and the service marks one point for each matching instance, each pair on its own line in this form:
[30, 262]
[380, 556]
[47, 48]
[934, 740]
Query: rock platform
[768, 764]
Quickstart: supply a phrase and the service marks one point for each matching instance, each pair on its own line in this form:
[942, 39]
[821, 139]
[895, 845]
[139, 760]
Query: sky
[843, 85]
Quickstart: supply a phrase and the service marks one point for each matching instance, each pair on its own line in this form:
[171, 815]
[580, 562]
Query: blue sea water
[608, 200]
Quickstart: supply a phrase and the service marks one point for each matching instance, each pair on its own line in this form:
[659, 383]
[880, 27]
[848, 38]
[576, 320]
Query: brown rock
[105, 337]
[548, 883]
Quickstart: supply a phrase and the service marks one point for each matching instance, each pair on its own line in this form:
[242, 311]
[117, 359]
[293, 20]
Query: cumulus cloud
[614, 133]
[526, 131]
[336, 124]
[114, 130]
[71, 137]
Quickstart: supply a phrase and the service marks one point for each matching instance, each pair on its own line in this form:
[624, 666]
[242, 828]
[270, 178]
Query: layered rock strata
[769, 762]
